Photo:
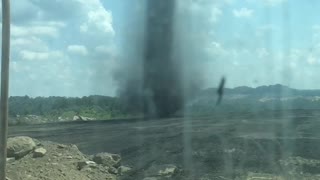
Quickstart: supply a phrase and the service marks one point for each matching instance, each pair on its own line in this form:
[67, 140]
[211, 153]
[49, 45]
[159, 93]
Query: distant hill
[262, 91]
[272, 90]
[273, 97]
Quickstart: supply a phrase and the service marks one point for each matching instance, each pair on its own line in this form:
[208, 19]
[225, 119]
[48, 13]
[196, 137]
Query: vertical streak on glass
[268, 44]
[286, 37]
[227, 157]
[4, 86]
[184, 50]
[286, 120]
[187, 146]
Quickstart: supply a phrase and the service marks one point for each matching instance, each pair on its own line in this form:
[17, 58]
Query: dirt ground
[248, 146]
[61, 162]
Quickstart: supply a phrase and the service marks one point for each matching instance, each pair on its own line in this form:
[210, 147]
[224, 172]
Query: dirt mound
[52, 161]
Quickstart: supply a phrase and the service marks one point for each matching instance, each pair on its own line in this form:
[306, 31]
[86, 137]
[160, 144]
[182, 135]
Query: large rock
[113, 170]
[20, 146]
[107, 159]
[150, 178]
[83, 118]
[264, 176]
[87, 118]
[124, 169]
[166, 170]
[9, 160]
[83, 164]
[39, 152]
[76, 118]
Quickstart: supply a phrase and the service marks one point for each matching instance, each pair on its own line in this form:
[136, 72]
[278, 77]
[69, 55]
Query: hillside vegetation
[24, 109]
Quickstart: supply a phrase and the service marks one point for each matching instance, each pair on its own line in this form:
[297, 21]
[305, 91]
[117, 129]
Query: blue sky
[73, 47]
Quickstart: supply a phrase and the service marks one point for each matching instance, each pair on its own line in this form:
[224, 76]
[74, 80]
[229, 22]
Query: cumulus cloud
[269, 3]
[265, 29]
[215, 49]
[315, 33]
[105, 49]
[38, 30]
[262, 52]
[243, 13]
[100, 20]
[312, 60]
[273, 2]
[28, 43]
[214, 15]
[78, 50]
[64, 45]
[31, 55]
[51, 42]
[97, 18]
[260, 58]
[206, 10]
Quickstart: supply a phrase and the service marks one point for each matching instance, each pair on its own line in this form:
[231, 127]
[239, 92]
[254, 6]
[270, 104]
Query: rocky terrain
[32, 159]
[44, 160]
[37, 119]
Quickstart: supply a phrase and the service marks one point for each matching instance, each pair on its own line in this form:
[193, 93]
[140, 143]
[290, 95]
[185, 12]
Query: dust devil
[163, 92]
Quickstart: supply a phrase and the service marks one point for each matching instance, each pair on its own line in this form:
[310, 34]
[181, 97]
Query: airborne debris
[220, 90]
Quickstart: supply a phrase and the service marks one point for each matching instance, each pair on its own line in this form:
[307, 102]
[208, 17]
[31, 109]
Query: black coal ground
[226, 145]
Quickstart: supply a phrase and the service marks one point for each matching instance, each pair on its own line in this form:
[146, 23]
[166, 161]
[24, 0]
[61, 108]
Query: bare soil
[272, 145]
[59, 163]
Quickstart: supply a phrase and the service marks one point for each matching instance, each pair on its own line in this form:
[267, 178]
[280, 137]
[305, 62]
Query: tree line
[94, 105]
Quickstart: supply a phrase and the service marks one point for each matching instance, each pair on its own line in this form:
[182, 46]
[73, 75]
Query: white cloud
[295, 54]
[243, 13]
[49, 30]
[215, 49]
[206, 10]
[214, 15]
[316, 27]
[18, 67]
[106, 50]
[244, 63]
[262, 53]
[98, 19]
[273, 2]
[78, 50]
[45, 37]
[28, 42]
[312, 60]
[265, 31]
[103, 49]
[229, 2]
[269, 3]
[316, 33]
[293, 65]
[31, 55]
